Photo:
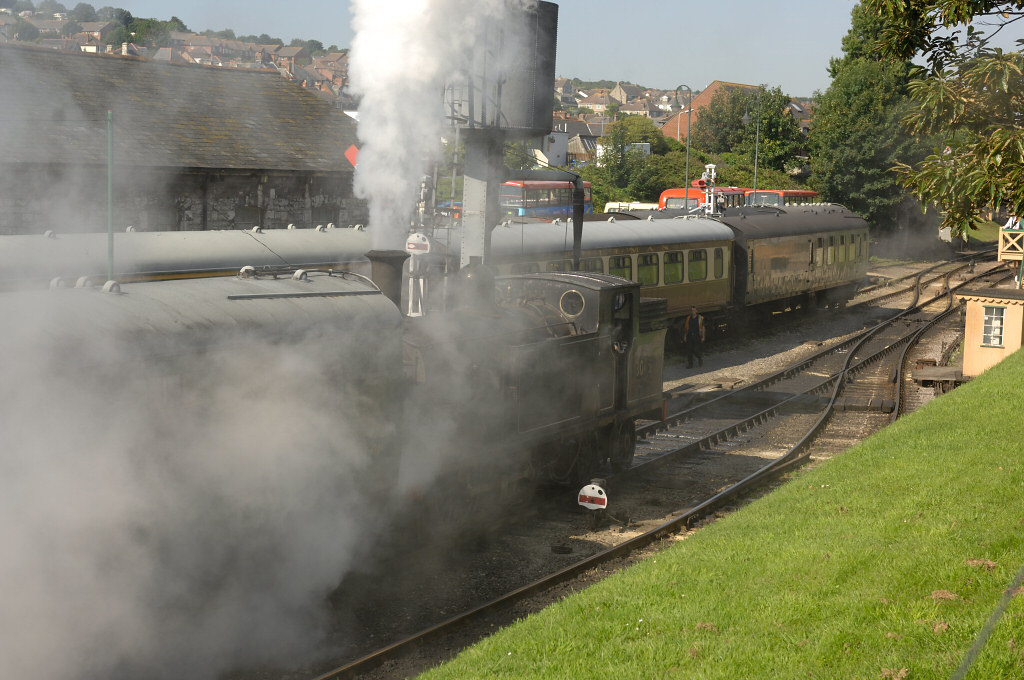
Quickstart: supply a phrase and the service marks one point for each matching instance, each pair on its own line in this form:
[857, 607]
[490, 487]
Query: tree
[70, 28]
[50, 7]
[115, 14]
[857, 137]
[942, 31]
[640, 130]
[969, 96]
[976, 111]
[83, 12]
[771, 131]
[24, 31]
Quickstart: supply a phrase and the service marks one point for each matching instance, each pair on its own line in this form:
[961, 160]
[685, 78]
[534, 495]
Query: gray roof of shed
[164, 115]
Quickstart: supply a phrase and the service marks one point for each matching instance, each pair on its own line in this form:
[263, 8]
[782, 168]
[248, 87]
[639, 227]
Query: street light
[689, 112]
[757, 139]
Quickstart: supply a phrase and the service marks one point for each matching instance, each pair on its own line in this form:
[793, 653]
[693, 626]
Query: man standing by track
[693, 337]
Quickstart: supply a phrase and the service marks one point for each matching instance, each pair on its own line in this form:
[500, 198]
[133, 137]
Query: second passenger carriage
[753, 259]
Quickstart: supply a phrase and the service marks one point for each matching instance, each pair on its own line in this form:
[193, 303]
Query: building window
[992, 331]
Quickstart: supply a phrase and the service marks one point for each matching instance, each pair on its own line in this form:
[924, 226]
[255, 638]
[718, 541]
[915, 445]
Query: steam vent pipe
[386, 272]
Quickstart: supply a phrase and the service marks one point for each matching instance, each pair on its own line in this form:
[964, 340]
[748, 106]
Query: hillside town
[581, 112]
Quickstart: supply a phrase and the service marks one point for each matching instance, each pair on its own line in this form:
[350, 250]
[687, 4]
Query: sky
[654, 43]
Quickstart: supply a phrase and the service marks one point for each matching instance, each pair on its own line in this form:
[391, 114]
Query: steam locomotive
[537, 377]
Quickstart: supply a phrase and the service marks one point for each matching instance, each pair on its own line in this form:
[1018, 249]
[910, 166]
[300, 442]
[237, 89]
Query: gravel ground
[525, 551]
[442, 583]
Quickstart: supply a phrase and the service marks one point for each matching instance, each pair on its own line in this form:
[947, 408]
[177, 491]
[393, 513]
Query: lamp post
[757, 138]
[689, 112]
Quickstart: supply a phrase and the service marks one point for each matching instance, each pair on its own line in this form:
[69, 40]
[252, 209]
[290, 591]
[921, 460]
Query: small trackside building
[994, 327]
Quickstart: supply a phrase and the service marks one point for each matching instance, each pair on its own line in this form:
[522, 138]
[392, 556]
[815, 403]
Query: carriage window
[525, 268]
[647, 269]
[719, 263]
[842, 248]
[560, 266]
[621, 265]
[697, 265]
[831, 249]
[673, 267]
[593, 264]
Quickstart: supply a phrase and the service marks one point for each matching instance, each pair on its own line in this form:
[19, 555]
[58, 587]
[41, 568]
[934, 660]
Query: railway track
[812, 409]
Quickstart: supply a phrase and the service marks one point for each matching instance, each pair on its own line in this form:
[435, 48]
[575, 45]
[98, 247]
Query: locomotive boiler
[542, 375]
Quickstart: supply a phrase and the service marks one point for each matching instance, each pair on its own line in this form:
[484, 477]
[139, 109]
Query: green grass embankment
[885, 562]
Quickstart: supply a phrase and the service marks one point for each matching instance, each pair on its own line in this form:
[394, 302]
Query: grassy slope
[884, 562]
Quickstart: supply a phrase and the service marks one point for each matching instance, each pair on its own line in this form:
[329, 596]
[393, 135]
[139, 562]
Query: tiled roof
[164, 115]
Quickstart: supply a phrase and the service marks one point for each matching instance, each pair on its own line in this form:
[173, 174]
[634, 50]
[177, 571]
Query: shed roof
[164, 115]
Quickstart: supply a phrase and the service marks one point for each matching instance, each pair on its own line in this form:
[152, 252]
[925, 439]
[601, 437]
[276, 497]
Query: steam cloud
[403, 54]
[172, 513]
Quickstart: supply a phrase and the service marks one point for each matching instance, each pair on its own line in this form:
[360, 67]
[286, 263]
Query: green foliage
[50, 7]
[857, 139]
[25, 31]
[264, 39]
[818, 578]
[314, 47]
[226, 34]
[115, 14]
[719, 127]
[83, 12]
[979, 162]
[969, 97]
[771, 130]
[593, 84]
[640, 129]
[117, 36]
[70, 28]
[941, 30]
[518, 156]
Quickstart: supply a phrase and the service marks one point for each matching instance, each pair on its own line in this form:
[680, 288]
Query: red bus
[781, 197]
[728, 197]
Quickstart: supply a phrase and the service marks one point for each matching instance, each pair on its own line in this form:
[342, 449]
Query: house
[581, 144]
[98, 30]
[170, 55]
[597, 103]
[625, 93]
[640, 107]
[7, 24]
[285, 57]
[47, 27]
[193, 148]
[333, 67]
[565, 92]
[63, 44]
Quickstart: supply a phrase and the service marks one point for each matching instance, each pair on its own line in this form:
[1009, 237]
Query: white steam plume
[172, 518]
[403, 54]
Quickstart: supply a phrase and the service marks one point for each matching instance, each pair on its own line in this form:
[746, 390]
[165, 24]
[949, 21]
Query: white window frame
[993, 326]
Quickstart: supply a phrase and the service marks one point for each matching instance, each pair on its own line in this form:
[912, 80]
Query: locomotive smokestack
[386, 272]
